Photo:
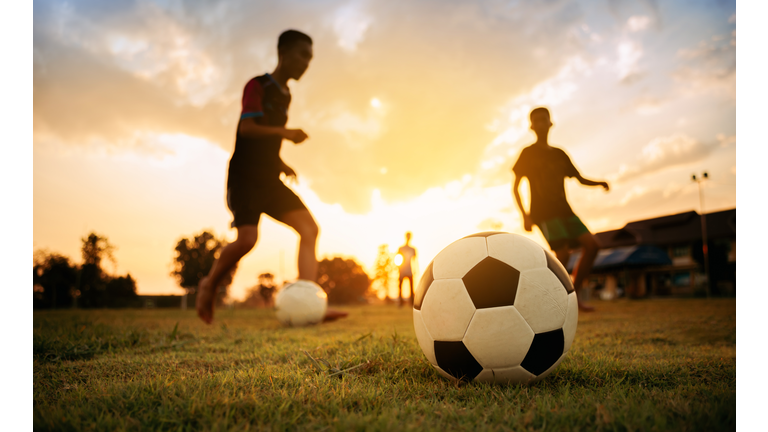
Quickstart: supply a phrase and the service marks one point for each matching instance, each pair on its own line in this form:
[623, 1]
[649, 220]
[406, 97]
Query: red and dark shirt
[546, 168]
[256, 161]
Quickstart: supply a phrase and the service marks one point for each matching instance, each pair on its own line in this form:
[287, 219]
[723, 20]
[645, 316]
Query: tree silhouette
[95, 248]
[385, 270]
[121, 292]
[252, 298]
[193, 261]
[58, 283]
[54, 280]
[93, 287]
[344, 280]
[262, 293]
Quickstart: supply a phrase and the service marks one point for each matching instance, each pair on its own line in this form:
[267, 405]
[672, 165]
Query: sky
[416, 112]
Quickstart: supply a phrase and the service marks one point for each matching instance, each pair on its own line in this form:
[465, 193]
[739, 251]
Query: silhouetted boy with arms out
[546, 168]
[253, 183]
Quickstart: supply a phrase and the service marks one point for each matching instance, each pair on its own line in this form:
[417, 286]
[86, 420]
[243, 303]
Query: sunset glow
[416, 112]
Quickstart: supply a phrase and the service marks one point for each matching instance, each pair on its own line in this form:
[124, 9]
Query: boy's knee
[562, 253]
[247, 240]
[248, 244]
[310, 230]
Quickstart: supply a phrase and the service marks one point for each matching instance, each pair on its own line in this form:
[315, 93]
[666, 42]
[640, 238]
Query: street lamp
[704, 248]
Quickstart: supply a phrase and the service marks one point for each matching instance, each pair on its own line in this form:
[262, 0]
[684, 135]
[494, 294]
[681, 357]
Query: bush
[344, 280]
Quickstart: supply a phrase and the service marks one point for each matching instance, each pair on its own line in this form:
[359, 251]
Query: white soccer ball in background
[495, 307]
[301, 303]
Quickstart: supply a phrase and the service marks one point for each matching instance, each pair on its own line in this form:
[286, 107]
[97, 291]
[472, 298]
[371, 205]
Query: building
[664, 256]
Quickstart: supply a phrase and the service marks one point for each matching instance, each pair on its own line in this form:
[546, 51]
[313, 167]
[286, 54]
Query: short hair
[290, 37]
[539, 110]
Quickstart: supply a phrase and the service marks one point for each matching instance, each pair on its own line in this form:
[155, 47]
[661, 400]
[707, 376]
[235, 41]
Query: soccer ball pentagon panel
[495, 307]
[301, 303]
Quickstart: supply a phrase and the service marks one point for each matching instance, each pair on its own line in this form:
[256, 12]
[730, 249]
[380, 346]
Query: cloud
[350, 24]
[663, 153]
[725, 141]
[637, 191]
[648, 105]
[103, 72]
[358, 131]
[147, 41]
[512, 125]
[440, 89]
[709, 67]
[638, 23]
[627, 64]
[455, 80]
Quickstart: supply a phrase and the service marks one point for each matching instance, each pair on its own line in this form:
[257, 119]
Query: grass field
[635, 365]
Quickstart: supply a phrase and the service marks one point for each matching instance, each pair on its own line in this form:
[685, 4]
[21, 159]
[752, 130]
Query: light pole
[704, 248]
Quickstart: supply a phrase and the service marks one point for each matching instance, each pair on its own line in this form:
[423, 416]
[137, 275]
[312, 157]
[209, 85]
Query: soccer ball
[495, 307]
[301, 303]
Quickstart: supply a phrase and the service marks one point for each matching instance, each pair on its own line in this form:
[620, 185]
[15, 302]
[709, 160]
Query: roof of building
[665, 230]
[625, 256]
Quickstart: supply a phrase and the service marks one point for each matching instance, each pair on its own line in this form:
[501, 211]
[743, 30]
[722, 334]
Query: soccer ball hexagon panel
[447, 310]
[495, 307]
[498, 337]
[542, 300]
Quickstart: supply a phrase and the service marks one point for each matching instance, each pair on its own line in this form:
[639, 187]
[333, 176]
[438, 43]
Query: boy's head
[294, 51]
[540, 120]
[407, 236]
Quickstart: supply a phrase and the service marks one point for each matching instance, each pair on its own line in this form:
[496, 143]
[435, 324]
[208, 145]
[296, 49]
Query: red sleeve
[252, 96]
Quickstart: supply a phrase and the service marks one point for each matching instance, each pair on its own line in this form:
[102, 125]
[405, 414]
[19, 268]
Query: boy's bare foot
[585, 307]
[204, 303]
[333, 315]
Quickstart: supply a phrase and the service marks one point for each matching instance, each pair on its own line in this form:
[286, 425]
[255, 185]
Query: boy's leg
[305, 226]
[563, 255]
[556, 234]
[410, 283]
[400, 290]
[230, 256]
[584, 267]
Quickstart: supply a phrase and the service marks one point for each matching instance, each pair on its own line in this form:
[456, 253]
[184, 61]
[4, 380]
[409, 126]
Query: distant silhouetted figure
[408, 254]
[267, 293]
[267, 289]
[253, 184]
[546, 168]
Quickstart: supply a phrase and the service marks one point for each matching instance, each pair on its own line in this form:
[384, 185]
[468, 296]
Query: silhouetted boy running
[546, 168]
[253, 184]
[408, 254]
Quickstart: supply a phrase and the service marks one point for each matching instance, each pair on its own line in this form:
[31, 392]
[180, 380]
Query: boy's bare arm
[249, 128]
[526, 217]
[587, 182]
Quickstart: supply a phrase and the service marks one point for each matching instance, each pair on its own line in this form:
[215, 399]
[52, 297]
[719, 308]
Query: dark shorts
[275, 200]
[561, 232]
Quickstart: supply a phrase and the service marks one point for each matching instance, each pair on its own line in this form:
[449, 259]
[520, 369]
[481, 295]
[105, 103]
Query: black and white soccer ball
[495, 307]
